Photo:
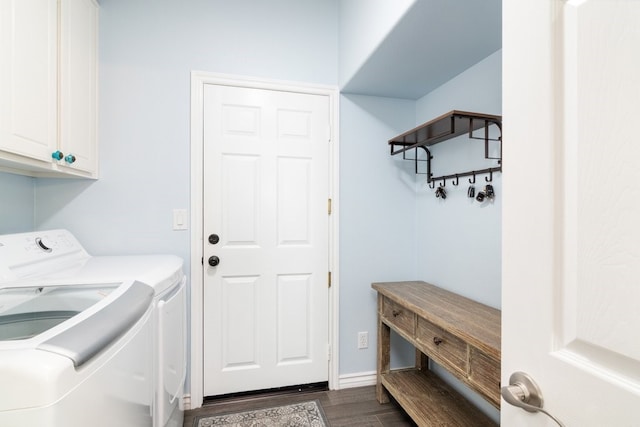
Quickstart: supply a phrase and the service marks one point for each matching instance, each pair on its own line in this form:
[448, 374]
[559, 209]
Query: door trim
[198, 80]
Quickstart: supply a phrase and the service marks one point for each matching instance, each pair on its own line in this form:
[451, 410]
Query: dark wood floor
[349, 407]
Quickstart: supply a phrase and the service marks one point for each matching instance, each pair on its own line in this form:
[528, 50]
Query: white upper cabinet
[78, 83]
[28, 78]
[48, 87]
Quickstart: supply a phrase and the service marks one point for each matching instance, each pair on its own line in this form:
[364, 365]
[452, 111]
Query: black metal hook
[456, 181]
[432, 186]
[490, 177]
[474, 178]
[444, 182]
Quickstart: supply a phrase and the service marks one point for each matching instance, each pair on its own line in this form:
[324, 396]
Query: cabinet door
[28, 76]
[78, 87]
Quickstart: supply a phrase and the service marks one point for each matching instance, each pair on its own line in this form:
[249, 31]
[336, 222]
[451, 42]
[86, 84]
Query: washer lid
[85, 339]
[28, 311]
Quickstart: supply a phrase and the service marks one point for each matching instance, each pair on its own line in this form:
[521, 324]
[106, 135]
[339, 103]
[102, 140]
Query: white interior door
[266, 187]
[571, 210]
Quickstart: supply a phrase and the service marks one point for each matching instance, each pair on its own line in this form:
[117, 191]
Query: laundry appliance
[89, 340]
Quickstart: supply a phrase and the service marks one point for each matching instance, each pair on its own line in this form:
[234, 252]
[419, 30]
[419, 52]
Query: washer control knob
[42, 245]
[57, 155]
[214, 260]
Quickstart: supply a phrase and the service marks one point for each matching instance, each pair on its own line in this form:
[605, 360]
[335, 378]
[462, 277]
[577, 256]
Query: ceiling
[434, 41]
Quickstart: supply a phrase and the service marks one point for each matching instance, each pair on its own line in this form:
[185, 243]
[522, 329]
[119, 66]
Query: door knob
[214, 260]
[524, 393]
[214, 238]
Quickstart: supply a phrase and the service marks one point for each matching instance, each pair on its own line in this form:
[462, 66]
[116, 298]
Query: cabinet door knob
[214, 238]
[58, 155]
[437, 340]
[70, 158]
[396, 313]
[214, 260]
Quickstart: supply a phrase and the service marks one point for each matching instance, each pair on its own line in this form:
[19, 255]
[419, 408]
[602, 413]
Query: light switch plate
[180, 219]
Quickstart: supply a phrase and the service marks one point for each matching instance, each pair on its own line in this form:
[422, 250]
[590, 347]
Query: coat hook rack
[448, 126]
[489, 171]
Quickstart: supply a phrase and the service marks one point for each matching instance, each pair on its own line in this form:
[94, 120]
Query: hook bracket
[470, 173]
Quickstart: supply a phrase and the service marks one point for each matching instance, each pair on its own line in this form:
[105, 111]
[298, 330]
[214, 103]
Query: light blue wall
[16, 203]
[377, 214]
[459, 239]
[147, 51]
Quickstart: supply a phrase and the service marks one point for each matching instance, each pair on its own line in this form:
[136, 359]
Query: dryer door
[172, 357]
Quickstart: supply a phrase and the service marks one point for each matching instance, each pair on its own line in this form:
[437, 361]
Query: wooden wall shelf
[454, 123]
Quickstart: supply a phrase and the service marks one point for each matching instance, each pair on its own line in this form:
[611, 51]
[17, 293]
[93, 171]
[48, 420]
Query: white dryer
[56, 260]
[165, 275]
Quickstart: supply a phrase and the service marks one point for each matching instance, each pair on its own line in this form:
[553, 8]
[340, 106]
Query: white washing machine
[148, 352]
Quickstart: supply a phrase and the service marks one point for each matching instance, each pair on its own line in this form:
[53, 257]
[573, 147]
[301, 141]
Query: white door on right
[571, 210]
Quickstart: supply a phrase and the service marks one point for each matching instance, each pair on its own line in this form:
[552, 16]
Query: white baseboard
[361, 379]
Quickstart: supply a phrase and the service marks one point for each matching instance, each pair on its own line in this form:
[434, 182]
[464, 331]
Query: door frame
[198, 80]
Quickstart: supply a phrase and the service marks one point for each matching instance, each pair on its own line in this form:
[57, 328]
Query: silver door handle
[524, 393]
